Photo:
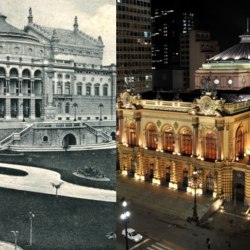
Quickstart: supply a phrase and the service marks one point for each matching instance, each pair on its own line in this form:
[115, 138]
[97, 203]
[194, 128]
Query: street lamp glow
[124, 203]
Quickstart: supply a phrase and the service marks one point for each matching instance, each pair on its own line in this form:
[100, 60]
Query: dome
[7, 30]
[238, 52]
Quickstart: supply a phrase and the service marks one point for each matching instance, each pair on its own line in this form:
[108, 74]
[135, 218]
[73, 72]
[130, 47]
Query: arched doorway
[68, 140]
[209, 184]
[113, 135]
[239, 192]
[238, 185]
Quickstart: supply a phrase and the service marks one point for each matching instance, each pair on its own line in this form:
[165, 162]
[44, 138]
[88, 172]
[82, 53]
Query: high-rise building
[167, 27]
[134, 68]
[196, 47]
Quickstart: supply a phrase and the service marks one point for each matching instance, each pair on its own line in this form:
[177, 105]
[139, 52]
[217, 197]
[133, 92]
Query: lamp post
[15, 233]
[75, 105]
[101, 106]
[124, 216]
[31, 216]
[195, 217]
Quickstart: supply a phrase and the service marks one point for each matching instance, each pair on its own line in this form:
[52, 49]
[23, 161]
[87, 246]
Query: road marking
[149, 248]
[155, 247]
[134, 247]
[165, 247]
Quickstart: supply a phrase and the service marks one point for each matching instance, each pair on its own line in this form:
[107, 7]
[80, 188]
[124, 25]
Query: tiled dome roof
[240, 51]
[7, 30]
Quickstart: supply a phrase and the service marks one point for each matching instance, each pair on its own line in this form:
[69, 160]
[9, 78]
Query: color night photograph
[183, 125]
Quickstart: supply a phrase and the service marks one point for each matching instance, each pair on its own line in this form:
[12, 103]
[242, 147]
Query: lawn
[59, 224]
[68, 162]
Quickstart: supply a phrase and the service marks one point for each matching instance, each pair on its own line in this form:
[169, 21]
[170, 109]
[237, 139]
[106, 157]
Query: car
[132, 234]
[111, 235]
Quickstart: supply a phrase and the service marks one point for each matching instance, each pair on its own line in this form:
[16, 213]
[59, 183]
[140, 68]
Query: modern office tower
[134, 69]
[195, 48]
[168, 26]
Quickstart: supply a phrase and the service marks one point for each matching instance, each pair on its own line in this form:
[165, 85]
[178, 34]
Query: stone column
[32, 87]
[247, 185]
[7, 86]
[120, 125]
[195, 124]
[49, 110]
[20, 109]
[173, 176]
[137, 117]
[20, 86]
[156, 178]
[219, 123]
[7, 109]
[32, 109]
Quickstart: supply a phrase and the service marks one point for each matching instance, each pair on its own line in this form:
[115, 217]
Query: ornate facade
[164, 137]
[54, 75]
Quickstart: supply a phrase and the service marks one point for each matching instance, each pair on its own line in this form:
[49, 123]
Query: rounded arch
[239, 142]
[113, 135]
[168, 140]
[68, 140]
[38, 74]
[26, 73]
[210, 145]
[132, 134]
[2, 72]
[13, 72]
[185, 140]
[151, 135]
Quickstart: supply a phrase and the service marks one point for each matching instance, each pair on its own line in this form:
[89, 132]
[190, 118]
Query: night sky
[226, 20]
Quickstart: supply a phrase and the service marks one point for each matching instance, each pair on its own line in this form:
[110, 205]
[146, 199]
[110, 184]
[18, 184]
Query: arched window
[239, 143]
[13, 72]
[79, 88]
[67, 88]
[59, 88]
[88, 89]
[67, 108]
[45, 139]
[97, 89]
[38, 74]
[132, 135]
[105, 90]
[151, 136]
[210, 146]
[26, 73]
[168, 139]
[186, 142]
[59, 106]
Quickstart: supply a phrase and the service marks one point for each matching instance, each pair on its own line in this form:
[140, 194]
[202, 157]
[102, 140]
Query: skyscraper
[134, 68]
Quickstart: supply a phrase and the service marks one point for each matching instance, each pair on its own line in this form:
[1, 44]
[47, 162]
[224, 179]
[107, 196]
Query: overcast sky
[95, 17]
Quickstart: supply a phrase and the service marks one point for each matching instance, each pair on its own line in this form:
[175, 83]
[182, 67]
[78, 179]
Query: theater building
[164, 136]
[53, 86]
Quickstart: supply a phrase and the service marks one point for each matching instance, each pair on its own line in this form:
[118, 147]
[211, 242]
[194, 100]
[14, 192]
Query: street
[165, 231]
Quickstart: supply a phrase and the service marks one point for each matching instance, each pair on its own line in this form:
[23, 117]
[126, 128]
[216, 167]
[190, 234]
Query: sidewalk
[40, 180]
[175, 206]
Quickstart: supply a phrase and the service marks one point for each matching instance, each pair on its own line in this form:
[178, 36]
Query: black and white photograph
[57, 124]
